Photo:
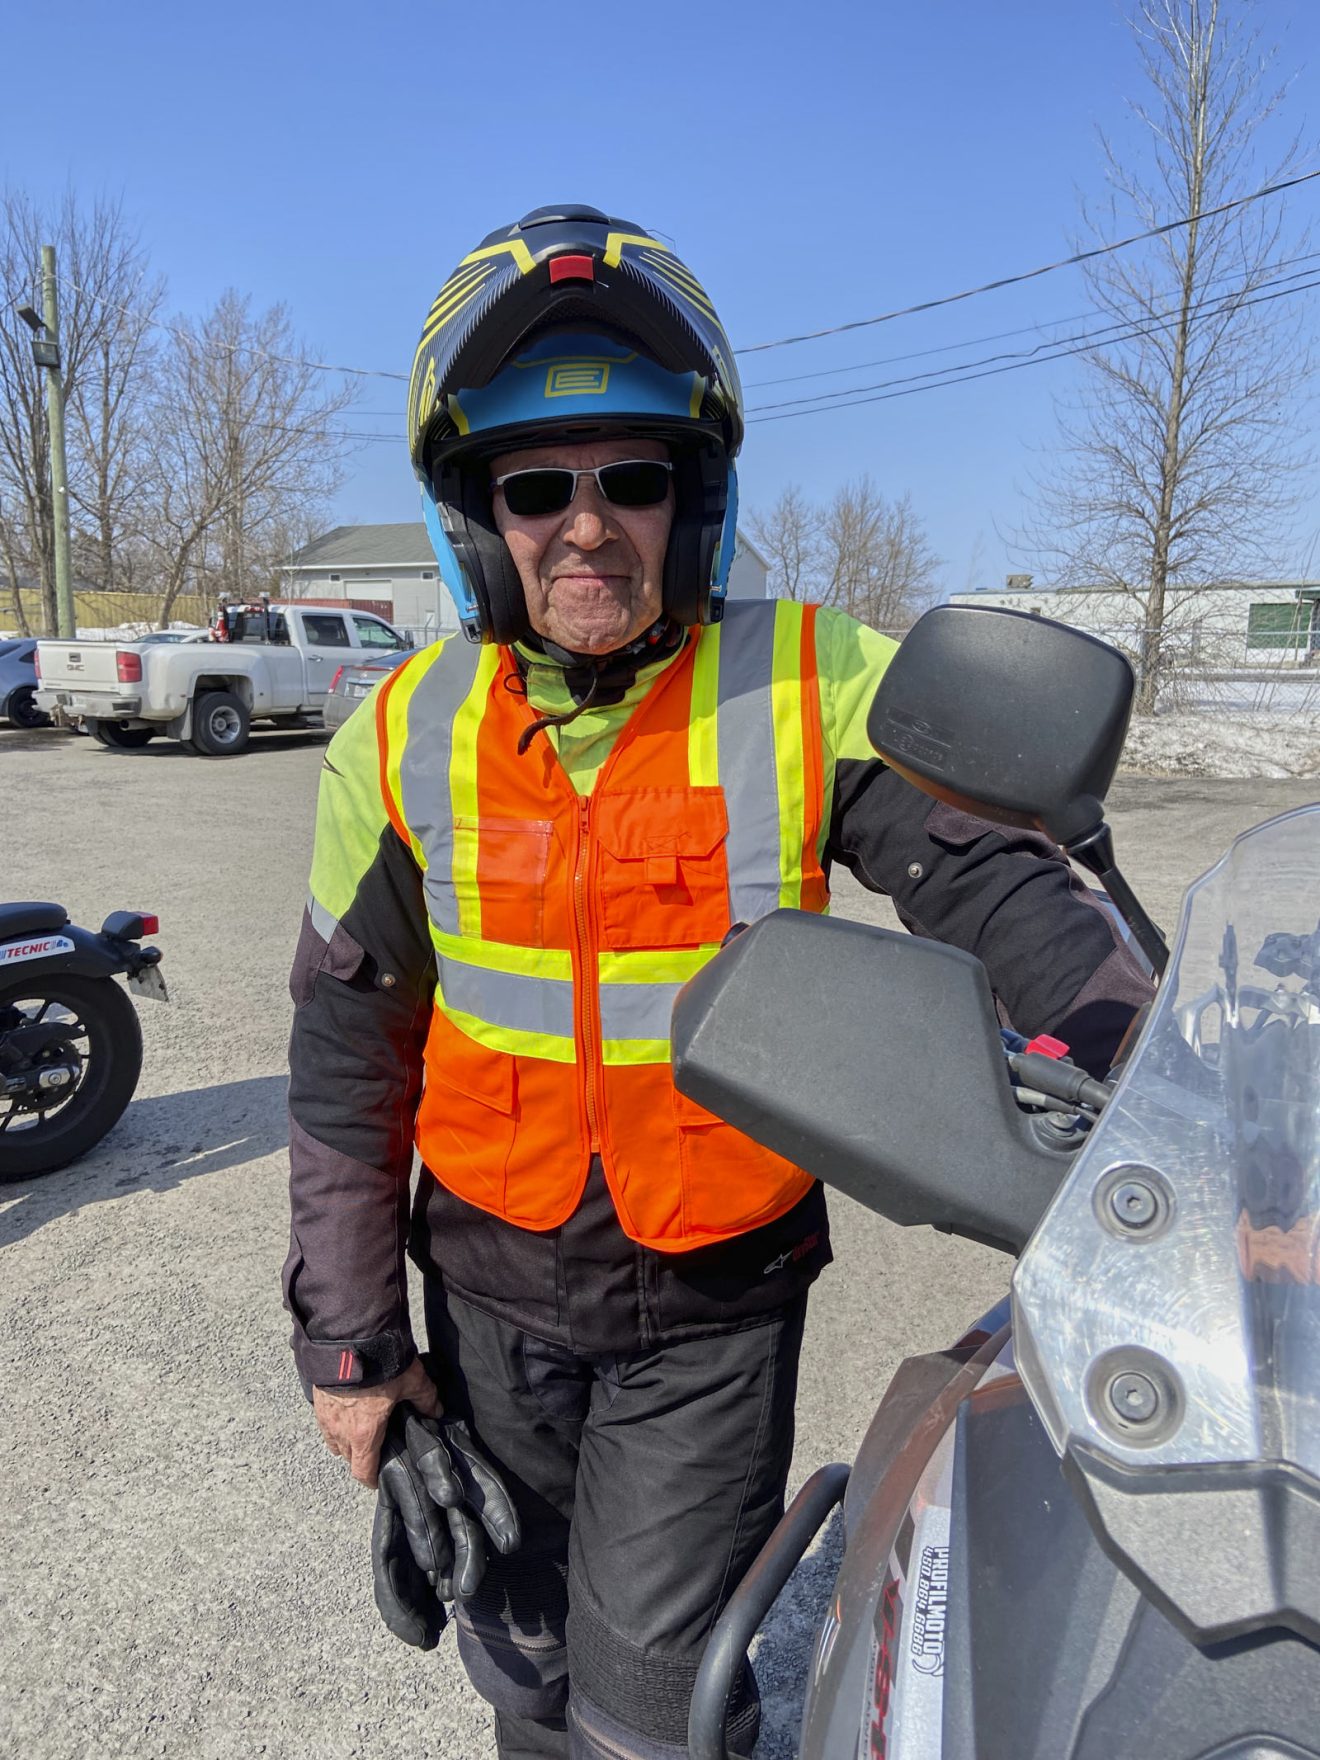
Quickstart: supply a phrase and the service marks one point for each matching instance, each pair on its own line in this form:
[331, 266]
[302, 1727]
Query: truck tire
[120, 738]
[220, 724]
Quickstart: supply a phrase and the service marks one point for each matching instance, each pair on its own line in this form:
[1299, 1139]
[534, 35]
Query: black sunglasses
[632, 482]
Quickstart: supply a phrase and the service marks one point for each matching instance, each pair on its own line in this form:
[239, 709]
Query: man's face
[592, 574]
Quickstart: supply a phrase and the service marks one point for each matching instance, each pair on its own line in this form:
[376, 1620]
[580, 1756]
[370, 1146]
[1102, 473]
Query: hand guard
[437, 1492]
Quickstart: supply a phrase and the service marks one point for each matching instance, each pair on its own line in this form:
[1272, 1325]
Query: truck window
[372, 634]
[325, 630]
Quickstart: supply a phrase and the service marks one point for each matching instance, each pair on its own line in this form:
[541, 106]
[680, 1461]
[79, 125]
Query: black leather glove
[438, 1499]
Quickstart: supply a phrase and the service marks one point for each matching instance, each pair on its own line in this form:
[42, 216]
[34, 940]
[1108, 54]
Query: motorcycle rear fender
[85, 954]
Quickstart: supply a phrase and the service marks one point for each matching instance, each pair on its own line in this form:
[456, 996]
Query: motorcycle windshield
[1168, 1307]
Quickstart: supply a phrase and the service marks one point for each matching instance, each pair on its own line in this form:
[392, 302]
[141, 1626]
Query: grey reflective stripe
[636, 1011]
[507, 999]
[746, 742]
[424, 772]
[322, 921]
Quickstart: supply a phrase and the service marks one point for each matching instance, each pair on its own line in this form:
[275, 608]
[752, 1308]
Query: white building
[1219, 626]
[391, 570]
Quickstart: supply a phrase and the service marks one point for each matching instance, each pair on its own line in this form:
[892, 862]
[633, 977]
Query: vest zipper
[588, 979]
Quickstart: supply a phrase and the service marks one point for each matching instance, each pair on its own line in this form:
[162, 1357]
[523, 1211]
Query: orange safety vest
[564, 925]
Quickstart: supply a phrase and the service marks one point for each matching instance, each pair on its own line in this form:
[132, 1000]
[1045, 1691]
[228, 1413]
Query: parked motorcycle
[70, 1043]
[1091, 1529]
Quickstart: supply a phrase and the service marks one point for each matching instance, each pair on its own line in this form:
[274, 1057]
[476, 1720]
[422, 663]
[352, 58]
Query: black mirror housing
[1006, 714]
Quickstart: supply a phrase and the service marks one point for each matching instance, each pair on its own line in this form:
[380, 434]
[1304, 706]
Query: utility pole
[46, 353]
[59, 470]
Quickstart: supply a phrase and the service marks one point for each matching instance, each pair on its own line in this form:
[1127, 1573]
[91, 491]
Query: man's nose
[587, 523]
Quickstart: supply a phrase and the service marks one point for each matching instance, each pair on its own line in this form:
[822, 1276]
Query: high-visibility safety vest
[564, 925]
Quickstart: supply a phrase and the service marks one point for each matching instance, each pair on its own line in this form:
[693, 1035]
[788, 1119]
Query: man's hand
[353, 1419]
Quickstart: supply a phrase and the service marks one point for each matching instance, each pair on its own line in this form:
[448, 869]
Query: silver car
[18, 683]
[352, 683]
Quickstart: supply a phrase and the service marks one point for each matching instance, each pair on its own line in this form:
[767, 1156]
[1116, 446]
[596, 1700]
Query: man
[536, 837]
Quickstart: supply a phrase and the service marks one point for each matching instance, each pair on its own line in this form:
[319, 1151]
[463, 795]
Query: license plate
[148, 981]
[358, 690]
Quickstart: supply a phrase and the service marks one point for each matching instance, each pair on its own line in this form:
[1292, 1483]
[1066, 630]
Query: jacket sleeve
[362, 986]
[1058, 962]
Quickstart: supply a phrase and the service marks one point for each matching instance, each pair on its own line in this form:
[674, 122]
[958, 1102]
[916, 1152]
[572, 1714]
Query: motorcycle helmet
[572, 325]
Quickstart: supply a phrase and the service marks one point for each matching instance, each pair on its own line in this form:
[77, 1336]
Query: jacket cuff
[351, 1362]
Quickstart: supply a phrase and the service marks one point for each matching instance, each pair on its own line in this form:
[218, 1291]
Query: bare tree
[875, 562]
[11, 550]
[790, 537]
[1178, 462]
[101, 268]
[244, 444]
[860, 552]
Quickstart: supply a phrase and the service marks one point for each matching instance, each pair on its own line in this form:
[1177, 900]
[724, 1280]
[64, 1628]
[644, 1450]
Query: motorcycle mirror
[1008, 715]
[832, 1089]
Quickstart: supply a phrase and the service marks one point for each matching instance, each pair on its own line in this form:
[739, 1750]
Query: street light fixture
[45, 349]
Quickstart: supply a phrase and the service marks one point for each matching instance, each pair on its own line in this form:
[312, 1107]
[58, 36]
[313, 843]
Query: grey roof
[404, 545]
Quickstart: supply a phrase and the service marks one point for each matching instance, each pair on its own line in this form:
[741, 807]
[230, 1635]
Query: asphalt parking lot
[183, 1568]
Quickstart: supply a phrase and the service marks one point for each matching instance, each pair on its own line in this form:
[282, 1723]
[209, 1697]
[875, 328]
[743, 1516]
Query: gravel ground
[184, 1567]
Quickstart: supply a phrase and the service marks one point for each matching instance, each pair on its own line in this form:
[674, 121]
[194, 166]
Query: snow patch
[1225, 744]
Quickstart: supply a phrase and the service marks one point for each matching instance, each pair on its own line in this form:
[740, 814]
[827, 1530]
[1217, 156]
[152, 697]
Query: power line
[970, 342]
[960, 378]
[1102, 250]
[1125, 327]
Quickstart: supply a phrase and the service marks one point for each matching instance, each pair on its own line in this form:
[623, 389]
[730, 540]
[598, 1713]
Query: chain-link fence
[109, 616]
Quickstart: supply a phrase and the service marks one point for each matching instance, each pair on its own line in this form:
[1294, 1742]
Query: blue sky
[815, 163]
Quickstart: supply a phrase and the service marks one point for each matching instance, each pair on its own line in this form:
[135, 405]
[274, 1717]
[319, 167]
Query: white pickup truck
[278, 665]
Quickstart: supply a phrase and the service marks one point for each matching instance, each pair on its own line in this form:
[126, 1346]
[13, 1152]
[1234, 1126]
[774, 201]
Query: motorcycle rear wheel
[106, 1036]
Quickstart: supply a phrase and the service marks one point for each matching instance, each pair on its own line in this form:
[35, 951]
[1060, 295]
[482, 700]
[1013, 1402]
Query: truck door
[376, 636]
[327, 645]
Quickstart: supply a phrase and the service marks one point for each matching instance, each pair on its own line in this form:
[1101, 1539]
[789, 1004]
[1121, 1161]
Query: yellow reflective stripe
[615, 241]
[618, 1052]
[410, 676]
[790, 760]
[463, 791]
[505, 956]
[647, 966]
[509, 247]
[513, 1043]
[703, 743]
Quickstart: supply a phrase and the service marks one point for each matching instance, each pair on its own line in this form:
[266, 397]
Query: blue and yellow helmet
[572, 325]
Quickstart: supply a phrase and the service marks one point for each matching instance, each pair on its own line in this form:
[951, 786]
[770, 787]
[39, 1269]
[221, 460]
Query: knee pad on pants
[630, 1701]
[511, 1638]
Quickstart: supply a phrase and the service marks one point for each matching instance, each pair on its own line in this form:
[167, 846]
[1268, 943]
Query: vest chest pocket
[662, 872]
[500, 868]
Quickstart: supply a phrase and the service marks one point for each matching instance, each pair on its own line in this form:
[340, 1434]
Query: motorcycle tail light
[339, 673]
[128, 667]
[151, 925]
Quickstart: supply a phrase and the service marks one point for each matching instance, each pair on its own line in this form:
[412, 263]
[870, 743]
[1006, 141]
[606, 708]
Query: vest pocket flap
[472, 1071]
[661, 824]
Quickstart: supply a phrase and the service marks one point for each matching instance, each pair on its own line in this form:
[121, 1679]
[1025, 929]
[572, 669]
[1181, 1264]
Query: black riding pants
[646, 1484]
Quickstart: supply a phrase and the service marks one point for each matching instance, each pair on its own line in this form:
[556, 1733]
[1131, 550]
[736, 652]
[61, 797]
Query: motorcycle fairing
[1051, 1651]
[1208, 1312]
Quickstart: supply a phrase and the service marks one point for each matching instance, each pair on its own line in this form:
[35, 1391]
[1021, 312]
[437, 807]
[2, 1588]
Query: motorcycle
[1091, 1529]
[70, 1042]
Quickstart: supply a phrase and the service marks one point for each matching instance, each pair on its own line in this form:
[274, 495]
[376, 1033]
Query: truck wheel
[23, 710]
[220, 724]
[120, 738]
